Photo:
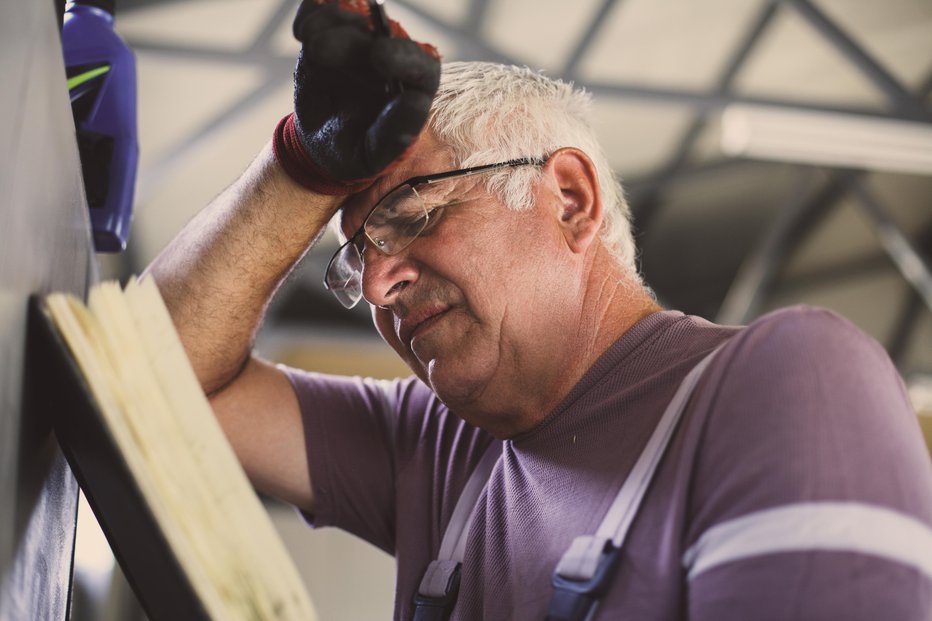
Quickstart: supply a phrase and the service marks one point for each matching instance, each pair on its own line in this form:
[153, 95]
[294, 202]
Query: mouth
[420, 322]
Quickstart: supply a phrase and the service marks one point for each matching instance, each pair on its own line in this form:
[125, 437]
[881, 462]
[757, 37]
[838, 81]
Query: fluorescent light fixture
[826, 139]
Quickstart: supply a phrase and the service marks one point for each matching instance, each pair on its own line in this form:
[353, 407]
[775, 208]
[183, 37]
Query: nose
[384, 276]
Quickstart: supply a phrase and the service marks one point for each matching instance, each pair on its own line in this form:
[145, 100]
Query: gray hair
[487, 113]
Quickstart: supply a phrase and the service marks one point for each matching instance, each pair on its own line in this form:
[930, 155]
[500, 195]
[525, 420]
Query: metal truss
[796, 219]
[901, 251]
[468, 37]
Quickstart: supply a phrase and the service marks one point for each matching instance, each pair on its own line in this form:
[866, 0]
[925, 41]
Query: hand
[350, 123]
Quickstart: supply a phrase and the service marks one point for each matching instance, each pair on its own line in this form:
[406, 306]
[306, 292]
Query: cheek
[477, 256]
[506, 266]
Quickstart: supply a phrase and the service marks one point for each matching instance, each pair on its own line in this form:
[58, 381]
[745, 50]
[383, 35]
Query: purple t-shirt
[796, 486]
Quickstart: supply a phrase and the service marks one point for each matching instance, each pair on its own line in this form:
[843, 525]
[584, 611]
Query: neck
[617, 304]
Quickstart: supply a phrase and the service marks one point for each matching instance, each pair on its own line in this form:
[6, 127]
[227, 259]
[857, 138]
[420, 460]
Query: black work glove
[361, 99]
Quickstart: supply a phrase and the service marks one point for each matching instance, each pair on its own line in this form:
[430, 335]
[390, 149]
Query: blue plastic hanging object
[101, 72]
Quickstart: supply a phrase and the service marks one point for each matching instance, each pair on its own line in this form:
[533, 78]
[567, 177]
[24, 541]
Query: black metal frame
[412, 183]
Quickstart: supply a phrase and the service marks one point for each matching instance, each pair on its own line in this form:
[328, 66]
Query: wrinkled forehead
[428, 156]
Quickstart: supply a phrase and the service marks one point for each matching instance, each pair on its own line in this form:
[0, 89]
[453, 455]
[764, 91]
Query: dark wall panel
[44, 246]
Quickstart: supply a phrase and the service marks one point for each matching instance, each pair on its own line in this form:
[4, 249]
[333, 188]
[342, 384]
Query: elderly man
[497, 258]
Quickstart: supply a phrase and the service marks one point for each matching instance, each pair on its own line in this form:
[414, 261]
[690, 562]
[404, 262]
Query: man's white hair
[488, 113]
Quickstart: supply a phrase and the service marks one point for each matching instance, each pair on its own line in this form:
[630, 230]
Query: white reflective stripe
[834, 526]
[453, 544]
[624, 508]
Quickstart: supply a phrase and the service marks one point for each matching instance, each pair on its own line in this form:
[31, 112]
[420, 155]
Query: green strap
[87, 76]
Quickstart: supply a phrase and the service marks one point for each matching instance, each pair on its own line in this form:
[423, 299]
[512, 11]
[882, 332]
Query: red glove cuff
[302, 169]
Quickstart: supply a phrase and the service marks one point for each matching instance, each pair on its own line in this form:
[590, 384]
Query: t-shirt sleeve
[812, 496]
[387, 459]
[351, 428]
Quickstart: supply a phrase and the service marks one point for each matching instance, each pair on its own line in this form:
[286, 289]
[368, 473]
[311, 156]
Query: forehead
[427, 156]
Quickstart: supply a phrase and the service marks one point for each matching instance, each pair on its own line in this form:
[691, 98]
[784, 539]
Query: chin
[456, 384]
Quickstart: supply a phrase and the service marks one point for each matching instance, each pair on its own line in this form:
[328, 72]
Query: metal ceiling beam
[926, 89]
[908, 315]
[588, 37]
[283, 13]
[855, 268]
[743, 51]
[708, 103]
[901, 98]
[906, 324]
[796, 219]
[276, 69]
[757, 275]
[245, 57]
[687, 141]
[640, 187]
[155, 174]
[906, 258]
[471, 46]
[474, 48]
[913, 310]
[700, 102]
[835, 275]
[476, 16]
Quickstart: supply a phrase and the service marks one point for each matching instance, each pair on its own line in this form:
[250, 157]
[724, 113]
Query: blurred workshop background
[823, 196]
[774, 152]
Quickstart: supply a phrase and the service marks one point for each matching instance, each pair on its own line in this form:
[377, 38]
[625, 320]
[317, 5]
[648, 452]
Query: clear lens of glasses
[344, 275]
[396, 222]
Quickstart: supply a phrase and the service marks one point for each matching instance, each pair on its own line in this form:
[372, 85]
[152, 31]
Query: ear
[580, 198]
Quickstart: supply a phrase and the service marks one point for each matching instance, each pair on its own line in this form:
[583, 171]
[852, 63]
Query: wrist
[301, 168]
[307, 209]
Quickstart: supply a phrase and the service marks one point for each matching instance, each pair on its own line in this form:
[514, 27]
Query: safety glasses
[396, 220]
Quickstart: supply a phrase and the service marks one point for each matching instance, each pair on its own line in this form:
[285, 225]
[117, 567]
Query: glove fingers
[349, 120]
[395, 129]
[340, 47]
[312, 18]
[403, 60]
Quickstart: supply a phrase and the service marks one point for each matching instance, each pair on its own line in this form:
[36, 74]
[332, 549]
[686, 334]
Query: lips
[415, 321]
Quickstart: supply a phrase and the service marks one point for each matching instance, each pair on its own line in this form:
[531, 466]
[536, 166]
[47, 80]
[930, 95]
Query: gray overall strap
[440, 584]
[583, 573]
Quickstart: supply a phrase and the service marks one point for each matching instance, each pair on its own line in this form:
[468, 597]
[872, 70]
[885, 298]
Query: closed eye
[431, 208]
[435, 213]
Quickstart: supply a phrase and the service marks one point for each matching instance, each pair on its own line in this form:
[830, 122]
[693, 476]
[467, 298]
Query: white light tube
[827, 139]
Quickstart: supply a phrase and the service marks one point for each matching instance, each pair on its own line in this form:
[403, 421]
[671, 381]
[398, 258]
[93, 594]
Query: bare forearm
[218, 274]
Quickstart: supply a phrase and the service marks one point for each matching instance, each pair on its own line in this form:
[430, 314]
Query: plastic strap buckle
[581, 577]
[437, 592]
